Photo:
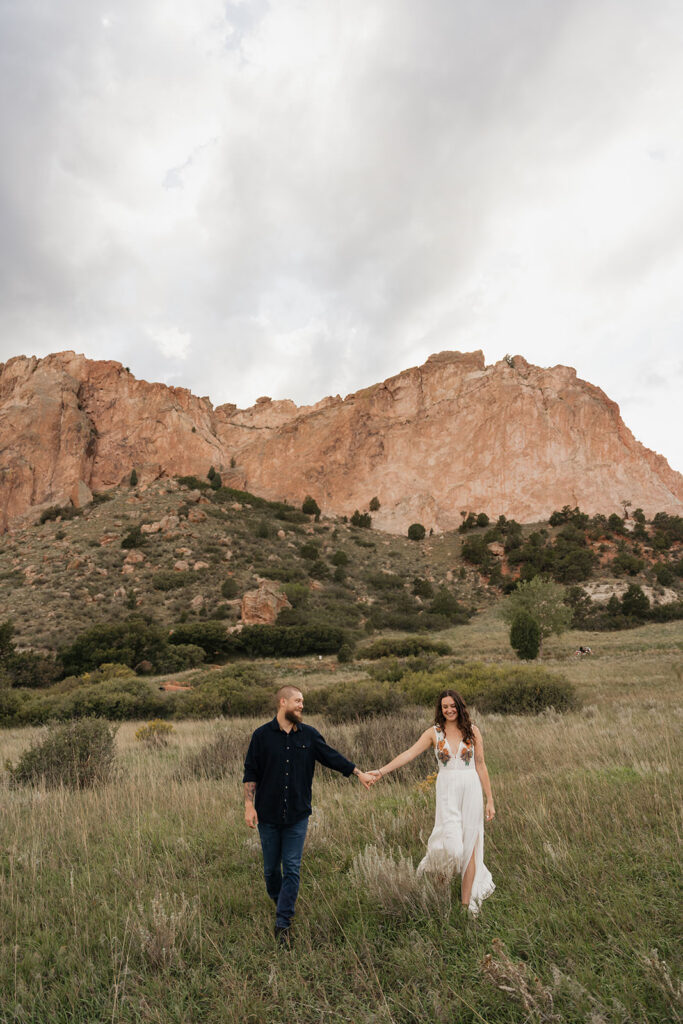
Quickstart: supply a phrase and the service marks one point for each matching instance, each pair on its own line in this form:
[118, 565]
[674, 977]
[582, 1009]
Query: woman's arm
[483, 773]
[425, 741]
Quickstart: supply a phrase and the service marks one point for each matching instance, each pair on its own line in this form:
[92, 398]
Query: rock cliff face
[433, 441]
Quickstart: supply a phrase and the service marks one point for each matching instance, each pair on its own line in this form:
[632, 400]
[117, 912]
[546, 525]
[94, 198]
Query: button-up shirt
[282, 766]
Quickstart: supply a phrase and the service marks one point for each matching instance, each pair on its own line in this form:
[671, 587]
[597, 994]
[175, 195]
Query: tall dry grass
[143, 900]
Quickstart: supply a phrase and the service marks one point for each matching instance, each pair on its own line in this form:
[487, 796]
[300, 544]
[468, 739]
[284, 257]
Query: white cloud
[310, 197]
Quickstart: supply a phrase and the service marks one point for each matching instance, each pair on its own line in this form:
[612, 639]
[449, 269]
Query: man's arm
[250, 815]
[250, 780]
[331, 758]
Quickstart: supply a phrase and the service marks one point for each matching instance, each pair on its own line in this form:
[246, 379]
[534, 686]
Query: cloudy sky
[303, 197]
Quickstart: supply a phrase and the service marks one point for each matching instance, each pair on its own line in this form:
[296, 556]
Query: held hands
[367, 779]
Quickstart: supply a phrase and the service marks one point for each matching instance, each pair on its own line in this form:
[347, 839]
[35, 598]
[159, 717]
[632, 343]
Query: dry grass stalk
[394, 887]
[515, 979]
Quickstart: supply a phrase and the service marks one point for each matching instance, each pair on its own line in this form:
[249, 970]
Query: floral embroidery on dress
[467, 751]
[441, 751]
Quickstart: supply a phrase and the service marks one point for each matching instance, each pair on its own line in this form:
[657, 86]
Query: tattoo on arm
[249, 791]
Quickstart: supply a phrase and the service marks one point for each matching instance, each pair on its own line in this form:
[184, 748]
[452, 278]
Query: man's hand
[366, 779]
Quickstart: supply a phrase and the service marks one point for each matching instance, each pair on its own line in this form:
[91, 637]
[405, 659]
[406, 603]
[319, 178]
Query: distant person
[278, 775]
[456, 845]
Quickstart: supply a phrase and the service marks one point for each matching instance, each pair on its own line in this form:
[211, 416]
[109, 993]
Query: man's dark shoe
[283, 937]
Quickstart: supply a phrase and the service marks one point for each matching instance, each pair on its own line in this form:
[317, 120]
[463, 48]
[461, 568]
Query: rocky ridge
[431, 442]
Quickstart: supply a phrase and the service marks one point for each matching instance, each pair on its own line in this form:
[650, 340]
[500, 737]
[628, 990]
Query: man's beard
[295, 717]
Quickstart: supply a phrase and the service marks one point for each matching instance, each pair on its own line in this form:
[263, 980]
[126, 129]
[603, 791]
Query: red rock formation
[431, 442]
[261, 607]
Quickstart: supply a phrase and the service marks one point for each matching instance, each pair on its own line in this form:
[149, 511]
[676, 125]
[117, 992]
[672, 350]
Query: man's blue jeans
[282, 847]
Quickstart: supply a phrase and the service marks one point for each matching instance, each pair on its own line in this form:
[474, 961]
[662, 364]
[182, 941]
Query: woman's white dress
[459, 823]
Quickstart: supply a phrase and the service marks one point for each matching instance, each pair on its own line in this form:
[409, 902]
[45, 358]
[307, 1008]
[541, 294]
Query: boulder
[263, 605]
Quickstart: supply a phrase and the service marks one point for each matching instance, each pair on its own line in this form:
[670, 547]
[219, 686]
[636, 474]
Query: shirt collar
[274, 724]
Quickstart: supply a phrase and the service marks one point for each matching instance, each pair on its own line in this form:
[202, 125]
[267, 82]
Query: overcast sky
[303, 197]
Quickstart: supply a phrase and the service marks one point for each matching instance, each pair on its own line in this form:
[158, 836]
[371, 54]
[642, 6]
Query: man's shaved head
[285, 692]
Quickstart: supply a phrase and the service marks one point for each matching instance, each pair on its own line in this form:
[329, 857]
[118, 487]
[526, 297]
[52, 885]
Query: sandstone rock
[316, 585]
[107, 538]
[197, 603]
[262, 606]
[496, 548]
[150, 528]
[452, 434]
[134, 557]
[195, 515]
[184, 552]
[80, 494]
[181, 566]
[198, 566]
[281, 534]
[169, 522]
[227, 556]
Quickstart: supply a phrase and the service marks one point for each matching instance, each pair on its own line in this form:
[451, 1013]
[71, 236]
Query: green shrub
[360, 699]
[634, 602]
[385, 581]
[170, 580]
[310, 506]
[156, 733]
[340, 558]
[229, 588]
[193, 483]
[416, 531]
[210, 636]
[628, 563]
[523, 696]
[345, 654]
[447, 605]
[127, 643]
[309, 551]
[319, 570]
[60, 512]
[374, 505]
[504, 690]
[30, 670]
[77, 755]
[422, 588]
[525, 636]
[133, 482]
[287, 642]
[663, 574]
[361, 519]
[403, 647]
[298, 594]
[134, 539]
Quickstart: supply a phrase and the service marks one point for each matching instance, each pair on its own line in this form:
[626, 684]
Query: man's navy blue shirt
[282, 766]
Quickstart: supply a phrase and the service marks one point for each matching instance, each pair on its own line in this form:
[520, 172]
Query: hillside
[186, 552]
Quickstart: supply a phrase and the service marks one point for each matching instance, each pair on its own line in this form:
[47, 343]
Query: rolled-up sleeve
[330, 757]
[252, 771]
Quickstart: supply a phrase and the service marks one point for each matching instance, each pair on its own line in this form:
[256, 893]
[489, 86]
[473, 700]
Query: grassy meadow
[143, 901]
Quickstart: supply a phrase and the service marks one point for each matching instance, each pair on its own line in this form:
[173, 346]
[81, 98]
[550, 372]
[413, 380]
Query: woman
[456, 844]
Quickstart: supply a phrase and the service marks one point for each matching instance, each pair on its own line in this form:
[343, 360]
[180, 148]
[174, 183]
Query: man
[278, 775]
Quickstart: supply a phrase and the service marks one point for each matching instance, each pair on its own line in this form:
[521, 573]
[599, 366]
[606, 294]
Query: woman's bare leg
[467, 881]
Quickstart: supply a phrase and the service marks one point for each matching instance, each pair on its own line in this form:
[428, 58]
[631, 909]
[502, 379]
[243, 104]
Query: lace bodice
[461, 759]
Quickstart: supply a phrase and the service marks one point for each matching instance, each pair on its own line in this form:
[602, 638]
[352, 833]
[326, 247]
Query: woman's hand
[377, 772]
[490, 811]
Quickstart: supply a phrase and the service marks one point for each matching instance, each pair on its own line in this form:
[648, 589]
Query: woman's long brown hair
[464, 720]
